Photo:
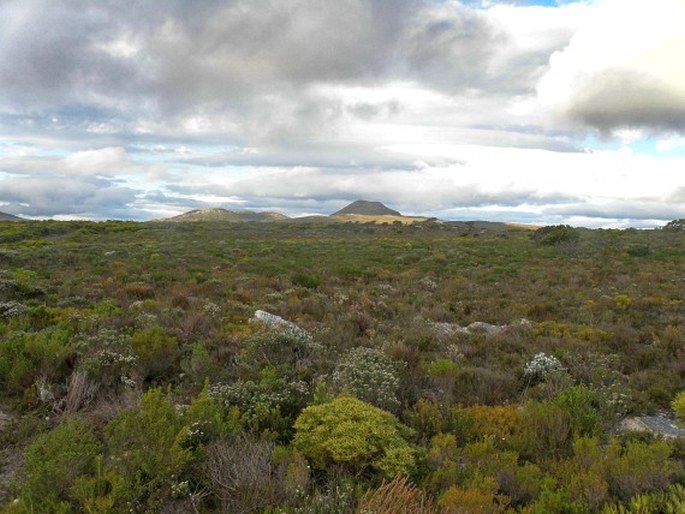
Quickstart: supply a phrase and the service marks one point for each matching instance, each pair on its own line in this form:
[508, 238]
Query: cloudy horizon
[538, 112]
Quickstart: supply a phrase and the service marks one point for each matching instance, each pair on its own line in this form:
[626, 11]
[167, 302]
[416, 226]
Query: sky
[539, 112]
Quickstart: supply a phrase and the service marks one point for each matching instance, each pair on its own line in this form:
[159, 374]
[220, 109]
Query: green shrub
[146, 447]
[678, 405]
[277, 348]
[557, 501]
[462, 465]
[156, 351]
[480, 496]
[443, 374]
[54, 461]
[639, 467]
[669, 501]
[354, 435]
[303, 280]
[545, 431]
[555, 235]
[639, 250]
[582, 404]
[28, 356]
[269, 404]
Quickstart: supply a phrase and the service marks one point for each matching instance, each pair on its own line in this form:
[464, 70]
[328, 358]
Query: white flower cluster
[12, 309]
[127, 381]
[146, 319]
[108, 355]
[541, 366]
[370, 375]
[110, 358]
[180, 490]
[250, 396]
[195, 434]
[211, 310]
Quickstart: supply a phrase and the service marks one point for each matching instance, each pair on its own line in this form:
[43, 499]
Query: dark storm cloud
[50, 54]
[180, 55]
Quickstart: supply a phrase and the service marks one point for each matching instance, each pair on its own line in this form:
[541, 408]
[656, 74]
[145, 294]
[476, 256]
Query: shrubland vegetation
[132, 378]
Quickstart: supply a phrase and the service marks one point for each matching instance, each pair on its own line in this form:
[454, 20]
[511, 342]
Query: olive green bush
[359, 437]
[54, 462]
[146, 448]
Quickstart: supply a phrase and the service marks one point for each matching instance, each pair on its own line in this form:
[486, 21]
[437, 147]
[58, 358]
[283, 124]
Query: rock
[488, 328]
[4, 419]
[276, 322]
[659, 425]
[449, 329]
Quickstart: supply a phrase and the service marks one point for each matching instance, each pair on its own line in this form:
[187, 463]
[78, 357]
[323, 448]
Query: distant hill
[226, 215]
[365, 208]
[9, 217]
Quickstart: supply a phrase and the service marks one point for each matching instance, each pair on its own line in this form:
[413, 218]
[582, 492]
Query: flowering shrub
[272, 403]
[108, 357]
[370, 375]
[541, 367]
[277, 348]
[12, 309]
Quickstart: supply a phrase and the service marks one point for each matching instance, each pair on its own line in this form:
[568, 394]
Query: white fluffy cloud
[624, 68]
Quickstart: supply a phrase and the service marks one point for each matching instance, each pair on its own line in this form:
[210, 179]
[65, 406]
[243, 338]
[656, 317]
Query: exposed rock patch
[276, 322]
[450, 329]
[659, 425]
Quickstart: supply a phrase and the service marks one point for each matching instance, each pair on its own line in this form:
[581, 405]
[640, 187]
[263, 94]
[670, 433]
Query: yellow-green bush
[678, 405]
[354, 435]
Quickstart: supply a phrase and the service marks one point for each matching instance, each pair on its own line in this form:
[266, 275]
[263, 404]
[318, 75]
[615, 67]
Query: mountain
[9, 217]
[364, 208]
[226, 215]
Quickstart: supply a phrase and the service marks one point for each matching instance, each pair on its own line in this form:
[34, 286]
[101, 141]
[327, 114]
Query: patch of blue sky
[652, 146]
[51, 152]
[164, 153]
[542, 3]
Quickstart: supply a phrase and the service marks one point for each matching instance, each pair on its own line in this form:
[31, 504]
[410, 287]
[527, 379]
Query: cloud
[622, 69]
[61, 196]
[448, 108]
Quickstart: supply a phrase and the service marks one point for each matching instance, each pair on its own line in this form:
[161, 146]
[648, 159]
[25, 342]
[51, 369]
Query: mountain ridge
[366, 208]
[219, 214]
[9, 217]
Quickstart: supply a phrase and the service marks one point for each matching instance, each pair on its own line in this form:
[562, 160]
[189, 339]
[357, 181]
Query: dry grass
[398, 496]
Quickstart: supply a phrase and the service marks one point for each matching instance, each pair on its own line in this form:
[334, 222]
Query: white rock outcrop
[449, 329]
[276, 322]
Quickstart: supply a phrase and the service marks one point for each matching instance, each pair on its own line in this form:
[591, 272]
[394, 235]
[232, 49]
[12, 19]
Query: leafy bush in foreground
[54, 460]
[356, 436]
